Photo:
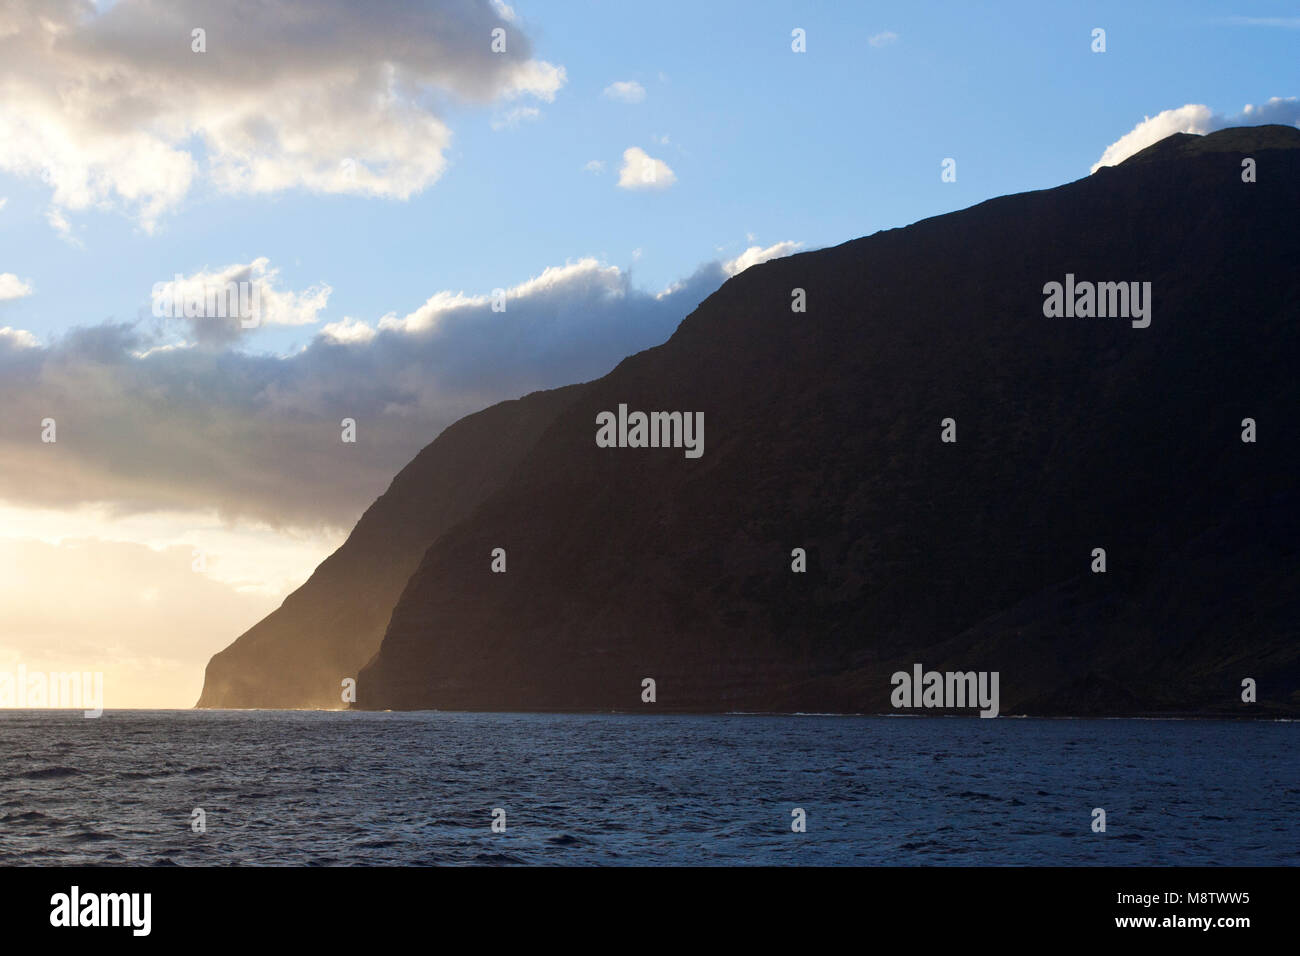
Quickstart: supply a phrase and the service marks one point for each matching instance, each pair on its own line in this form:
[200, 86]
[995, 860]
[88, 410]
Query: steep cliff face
[327, 629]
[823, 432]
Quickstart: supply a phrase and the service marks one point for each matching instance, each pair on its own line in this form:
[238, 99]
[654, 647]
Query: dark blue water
[355, 788]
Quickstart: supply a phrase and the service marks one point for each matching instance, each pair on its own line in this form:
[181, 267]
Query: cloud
[641, 171]
[218, 304]
[17, 339]
[1287, 23]
[350, 331]
[595, 166]
[11, 287]
[756, 254]
[627, 91]
[515, 116]
[1195, 118]
[4, 201]
[59, 223]
[883, 39]
[144, 425]
[113, 107]
[1277, 110]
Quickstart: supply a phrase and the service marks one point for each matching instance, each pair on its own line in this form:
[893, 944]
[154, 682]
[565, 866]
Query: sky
[383, 174]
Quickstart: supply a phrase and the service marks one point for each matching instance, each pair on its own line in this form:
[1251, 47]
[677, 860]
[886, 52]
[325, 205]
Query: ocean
[331, 789]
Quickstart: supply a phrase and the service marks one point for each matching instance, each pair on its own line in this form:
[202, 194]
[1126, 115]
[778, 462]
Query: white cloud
[883, 39]
[641, 171]
[627, 91]
[535, 78]
[515, 116]
[4, 201]
[348, 332]
[1195, 118]
[18, 338]
[595, 166]
[204, 299]
[588, 273]
[756, 254]
[1192, 118]
[428, 315]
[12, 287]
[59, 223]
[112, 108]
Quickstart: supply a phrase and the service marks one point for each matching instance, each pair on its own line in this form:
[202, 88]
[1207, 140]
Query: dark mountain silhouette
[326, 630]
[822, 432]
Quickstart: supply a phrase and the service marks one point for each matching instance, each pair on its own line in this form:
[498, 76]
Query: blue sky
[819, 148]
[365, 164]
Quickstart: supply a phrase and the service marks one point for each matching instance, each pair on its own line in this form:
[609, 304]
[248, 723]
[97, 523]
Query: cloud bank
[143, 427]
